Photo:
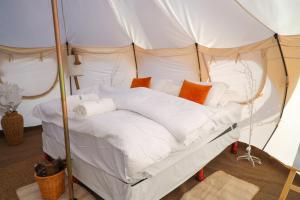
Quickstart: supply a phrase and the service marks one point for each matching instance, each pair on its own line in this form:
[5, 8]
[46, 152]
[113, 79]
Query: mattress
[184, 164]
[110, 158]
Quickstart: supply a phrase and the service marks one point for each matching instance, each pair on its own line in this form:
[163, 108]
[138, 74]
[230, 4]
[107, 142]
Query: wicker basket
[51, 187]
[13, 127]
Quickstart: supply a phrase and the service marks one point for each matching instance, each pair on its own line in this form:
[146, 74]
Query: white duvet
[180, 116]
[146, 128]
[141, 141]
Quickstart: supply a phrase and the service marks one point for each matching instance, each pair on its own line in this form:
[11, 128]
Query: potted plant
[12, 122]
[50, 177]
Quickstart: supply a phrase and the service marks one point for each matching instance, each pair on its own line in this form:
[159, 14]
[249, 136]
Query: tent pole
[70, 79]
[196, 45]
[286, 87]
[136, 67]
[62, 95]
[70, 83]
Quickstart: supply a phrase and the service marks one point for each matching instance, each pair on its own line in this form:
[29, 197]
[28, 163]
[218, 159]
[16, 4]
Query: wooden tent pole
[196, 45]
[136, 66]
[62, 95]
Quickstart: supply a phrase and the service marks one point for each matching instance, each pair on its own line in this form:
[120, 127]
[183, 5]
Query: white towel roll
[90, 108]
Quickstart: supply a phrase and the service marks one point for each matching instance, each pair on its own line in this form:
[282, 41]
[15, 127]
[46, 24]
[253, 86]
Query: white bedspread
[141, 141]
[148, 126]
[180, 116]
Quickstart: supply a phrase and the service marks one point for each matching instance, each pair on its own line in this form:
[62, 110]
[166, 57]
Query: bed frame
[155, 187]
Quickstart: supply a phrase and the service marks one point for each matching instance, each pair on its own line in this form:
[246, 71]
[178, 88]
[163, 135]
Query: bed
[113, 172]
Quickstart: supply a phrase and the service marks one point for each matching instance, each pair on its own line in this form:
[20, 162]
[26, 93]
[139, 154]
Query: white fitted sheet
[183, 165]
[102, 155]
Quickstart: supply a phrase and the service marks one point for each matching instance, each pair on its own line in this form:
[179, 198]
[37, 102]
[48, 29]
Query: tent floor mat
[222, 186]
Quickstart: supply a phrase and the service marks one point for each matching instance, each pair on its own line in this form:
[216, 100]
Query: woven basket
[51, 187]
[13, 127]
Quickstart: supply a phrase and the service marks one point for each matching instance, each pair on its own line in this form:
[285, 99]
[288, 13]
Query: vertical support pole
[76, 62]
[76, 82]
[70, 79]
[286, 87]
[135, 61]
[62, 95]
[70, 82]
[198, 59]
[200, 175]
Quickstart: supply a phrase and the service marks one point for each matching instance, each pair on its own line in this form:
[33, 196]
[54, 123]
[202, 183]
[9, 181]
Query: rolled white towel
[90, 108]
[75, 100]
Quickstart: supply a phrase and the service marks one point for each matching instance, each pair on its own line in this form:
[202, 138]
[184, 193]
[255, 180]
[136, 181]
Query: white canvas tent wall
[224, 31]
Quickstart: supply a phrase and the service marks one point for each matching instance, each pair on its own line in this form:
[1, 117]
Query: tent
[167, 39]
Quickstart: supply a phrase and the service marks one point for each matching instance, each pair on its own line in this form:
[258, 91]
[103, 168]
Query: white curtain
[107, 66]
[174, 64]
[285, 141]
[34, 76]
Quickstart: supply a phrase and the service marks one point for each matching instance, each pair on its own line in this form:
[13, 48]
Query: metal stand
[249, 157]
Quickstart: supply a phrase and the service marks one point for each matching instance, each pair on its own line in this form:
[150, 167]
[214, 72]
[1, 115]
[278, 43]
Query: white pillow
[166, 86]
[214, 98]
[216, 93]
[229, 96]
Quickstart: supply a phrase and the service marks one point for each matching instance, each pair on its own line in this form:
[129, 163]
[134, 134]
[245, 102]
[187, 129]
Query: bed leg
[234, 148]
[200, 175]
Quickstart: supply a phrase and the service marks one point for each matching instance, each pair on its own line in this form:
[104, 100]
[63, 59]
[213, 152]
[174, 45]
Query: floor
[16, 169]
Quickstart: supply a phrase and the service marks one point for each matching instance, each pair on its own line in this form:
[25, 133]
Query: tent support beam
[198, 59]
[286, 87]
[135, 61]
[70, 79]
[70, 83]
[62, 95]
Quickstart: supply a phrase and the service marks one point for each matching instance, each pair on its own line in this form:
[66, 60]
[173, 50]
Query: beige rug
[32, 192]
[222, 186]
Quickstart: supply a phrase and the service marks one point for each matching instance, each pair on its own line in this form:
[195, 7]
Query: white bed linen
[139, 141]
[99, 153]
[122, 143]
[183, 165]
[180, 116]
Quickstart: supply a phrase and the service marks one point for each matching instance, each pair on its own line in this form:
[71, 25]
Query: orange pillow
[194, 92]
[141, 82]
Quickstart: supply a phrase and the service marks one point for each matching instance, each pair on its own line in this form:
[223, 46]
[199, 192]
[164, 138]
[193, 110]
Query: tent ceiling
[27, 23]
[149, 23]
[149, 26]
[93, 23]
[280, 16]
[219, 24]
